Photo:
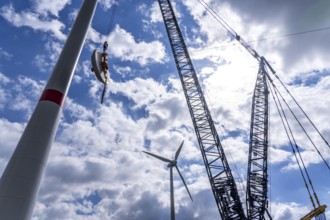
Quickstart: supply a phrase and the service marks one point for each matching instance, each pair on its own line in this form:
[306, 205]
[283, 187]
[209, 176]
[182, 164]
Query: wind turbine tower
[21, 178]
[171, 164]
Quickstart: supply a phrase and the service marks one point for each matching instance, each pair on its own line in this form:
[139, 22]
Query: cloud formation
[123, 45]
[97, 170]
[33, 20]
[44, 7]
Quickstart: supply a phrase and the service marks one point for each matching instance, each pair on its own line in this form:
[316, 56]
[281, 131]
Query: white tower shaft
[172, 194]
[20, 181]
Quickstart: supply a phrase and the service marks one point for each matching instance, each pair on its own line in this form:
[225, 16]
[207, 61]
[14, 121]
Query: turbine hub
[172, 163]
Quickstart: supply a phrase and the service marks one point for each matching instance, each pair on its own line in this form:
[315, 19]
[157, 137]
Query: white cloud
[127, 48]
[73, 14]
[151, 16]
[229, 79]
[90, 153]
[97, 170]
[9, 136]
[4, 79]
[3, 98]
[41, 63]
[123, 45]
[288, 211]
[25, 93]
[141, 91]
[32, 20]
[155, 13]
[123, 70]
[77, 79]
[228, 90]
[46, 63]
[236, 150]
[276, 155]
[4, 91]
[294, 54]
[108, 147]
[44, 7]
[106, 4]
[5, 55]
[19, 94]
[77, 111]
[207, 23]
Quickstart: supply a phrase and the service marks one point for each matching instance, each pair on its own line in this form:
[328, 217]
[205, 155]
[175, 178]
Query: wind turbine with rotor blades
[171, 164]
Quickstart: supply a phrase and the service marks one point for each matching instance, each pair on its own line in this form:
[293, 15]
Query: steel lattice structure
[217, 167]
[257, 179]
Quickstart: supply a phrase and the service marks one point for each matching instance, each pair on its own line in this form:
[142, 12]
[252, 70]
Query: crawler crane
[219, 173]
[257, 177]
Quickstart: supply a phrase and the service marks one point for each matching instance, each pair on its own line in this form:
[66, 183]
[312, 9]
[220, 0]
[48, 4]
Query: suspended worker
[104, 62]
[100, 60]
[100, 67]
[104, 65]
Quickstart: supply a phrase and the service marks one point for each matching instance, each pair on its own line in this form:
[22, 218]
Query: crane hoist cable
[319, 210]
[296, 102]
[112, 17]
[100, 60]
[262, 39]
[289, 135]
[257, 56]
[231, 31]
[280, 97]
[300, 124]
[262, 59]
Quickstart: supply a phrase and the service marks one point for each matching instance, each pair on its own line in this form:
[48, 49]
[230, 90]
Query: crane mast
[257, 177]
[256, 194]
[217, 167]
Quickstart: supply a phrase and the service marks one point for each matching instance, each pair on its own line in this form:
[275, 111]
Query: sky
[96, 168]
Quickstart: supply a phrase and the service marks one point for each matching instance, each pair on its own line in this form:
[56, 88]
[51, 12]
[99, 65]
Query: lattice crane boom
[257, 167]
[217, 167]
[257, 178]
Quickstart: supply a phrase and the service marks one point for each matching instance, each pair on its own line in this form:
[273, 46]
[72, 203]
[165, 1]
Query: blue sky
[96, 169]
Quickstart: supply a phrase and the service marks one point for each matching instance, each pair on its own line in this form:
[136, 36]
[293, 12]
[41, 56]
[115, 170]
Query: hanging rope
[281, 112]
[301, 126]
[104, 66]
[104, 90]
[297, 148]
[104, 61]
[301, 159]
[112, 17]
[225, 25]
[278, 104]
[286, 89]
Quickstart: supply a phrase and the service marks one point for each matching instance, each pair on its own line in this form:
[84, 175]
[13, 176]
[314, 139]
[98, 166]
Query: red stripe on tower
[53, 96]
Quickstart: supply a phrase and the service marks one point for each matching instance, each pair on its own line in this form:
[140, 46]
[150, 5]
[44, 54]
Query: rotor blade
[159, 157]
[178, 151]
[184, 182]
